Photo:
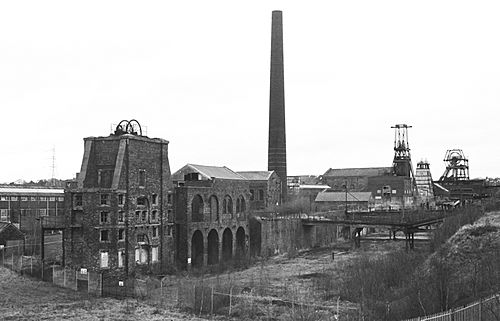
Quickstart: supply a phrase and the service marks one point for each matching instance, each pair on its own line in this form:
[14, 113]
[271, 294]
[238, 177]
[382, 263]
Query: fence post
[230, 299]
[480, 309]
[212, 302]
[21, 265]
[101, 285]
[64, 277]
[88, 281]
[31, 266]
[76, 280]
[12, 267]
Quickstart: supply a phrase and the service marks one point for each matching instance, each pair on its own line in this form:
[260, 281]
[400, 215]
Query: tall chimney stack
[277, 136]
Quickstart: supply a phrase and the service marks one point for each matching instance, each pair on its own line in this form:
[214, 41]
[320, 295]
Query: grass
[23, 298]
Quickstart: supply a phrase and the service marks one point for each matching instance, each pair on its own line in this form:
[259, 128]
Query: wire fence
[483, 310]
[223, 296]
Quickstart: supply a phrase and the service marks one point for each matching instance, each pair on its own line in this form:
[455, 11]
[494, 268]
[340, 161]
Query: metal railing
[482, 310]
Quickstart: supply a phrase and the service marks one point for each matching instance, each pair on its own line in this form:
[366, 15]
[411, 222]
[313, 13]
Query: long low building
[24, 206]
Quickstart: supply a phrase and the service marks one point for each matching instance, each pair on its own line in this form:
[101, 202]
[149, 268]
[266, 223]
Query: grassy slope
[23, 298]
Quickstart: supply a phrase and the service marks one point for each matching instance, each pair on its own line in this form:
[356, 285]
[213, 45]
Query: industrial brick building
[211, 209]
[119, 219]
[27, 207]
[265, 189]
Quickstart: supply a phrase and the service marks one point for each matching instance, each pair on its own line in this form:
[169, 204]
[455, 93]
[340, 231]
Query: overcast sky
[197, 74]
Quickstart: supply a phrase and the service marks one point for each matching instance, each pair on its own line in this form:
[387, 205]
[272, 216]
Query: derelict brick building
[211, 209]
[119, 218]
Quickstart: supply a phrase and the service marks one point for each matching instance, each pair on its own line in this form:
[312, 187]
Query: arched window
[240, 204]
[243, 205]
[214, 208]
[228, 205]
[197, 209]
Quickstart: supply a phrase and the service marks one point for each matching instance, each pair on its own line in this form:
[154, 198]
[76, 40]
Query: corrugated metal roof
[350, 172]
[340, 197]
[321, 187]
[256, 175]
[208, 172]
[30, 191]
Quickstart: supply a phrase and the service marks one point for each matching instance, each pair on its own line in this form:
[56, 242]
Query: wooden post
[212, 301]
[230, 299]
[31, 266]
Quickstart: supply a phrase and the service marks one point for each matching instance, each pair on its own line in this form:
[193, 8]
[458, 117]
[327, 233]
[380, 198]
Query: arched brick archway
[197, 249]
[213, 247]
[227, 244]
[240, 242]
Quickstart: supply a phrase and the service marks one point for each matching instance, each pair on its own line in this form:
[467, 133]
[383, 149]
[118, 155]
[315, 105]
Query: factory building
[119, 219]
[211, 212]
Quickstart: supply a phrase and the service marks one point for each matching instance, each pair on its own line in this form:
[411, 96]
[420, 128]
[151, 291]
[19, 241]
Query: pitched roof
[340, 197]
[315, 187]
[9, 231]
[350, 172]
[256, 175]
[208, 172]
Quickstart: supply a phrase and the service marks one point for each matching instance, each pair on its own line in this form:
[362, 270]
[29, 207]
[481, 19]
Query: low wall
[271, 236]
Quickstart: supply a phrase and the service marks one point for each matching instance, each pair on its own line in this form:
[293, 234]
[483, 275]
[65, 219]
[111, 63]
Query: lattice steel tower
[402, 159]
[457, 168]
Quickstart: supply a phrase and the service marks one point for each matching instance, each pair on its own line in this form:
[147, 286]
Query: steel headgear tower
[277, 136]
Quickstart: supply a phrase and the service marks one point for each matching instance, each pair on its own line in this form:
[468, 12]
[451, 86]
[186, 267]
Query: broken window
[4, 215]
[155, 231]
[121, 234]
[104, 178]
[120, 216]
[121, 199]
[154, 199]
[141, 201]
[121, 257]
[197, 209]
[78, 200]
[104, 199]
[104, 262]
[104, 217]
[104, 236]
[142, 178]
[154, 254]
[261, 194]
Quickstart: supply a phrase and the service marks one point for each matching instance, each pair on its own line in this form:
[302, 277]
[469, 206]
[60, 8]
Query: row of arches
[215, 249]
[198, 207]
